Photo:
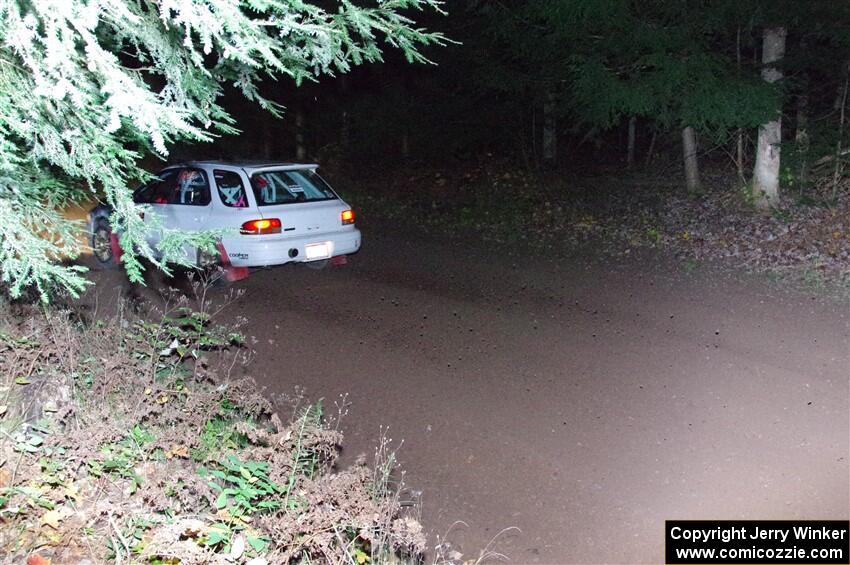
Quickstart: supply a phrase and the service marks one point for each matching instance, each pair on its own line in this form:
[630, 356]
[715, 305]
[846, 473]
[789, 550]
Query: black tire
[207, 261]
[209, 269]
[101, 244]
[318, 265]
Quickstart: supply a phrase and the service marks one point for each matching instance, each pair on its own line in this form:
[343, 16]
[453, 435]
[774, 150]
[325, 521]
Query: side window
[191, 188]
[230, 189]
[143, 194]
[158, 191]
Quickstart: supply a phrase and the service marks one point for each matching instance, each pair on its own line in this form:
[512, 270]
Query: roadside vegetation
[123, 439]
[804, 238]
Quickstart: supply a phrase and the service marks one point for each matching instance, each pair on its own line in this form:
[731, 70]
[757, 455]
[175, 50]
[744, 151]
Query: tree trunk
[630, 152]
[405, 144]
[838, 162]
[689, 151]
[739, 155]
[651, 149]
[300, 147]
[766, 173]
[345, 118]
[267, 137]
[839, 92]
[550, 134]
[522, 140]
[801, 138]
[739, 145]
[534, 134]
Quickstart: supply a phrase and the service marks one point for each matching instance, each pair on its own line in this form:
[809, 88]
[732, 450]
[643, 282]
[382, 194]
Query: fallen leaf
[162, 399]
[225, 516]
[237, 548]
[71, 491]
[177, 451]
[191, 533]
[3, 409]
[171, 347]
[52, 518]
[22, 381]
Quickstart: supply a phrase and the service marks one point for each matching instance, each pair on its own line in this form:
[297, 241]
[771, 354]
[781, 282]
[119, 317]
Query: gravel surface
[582, 401]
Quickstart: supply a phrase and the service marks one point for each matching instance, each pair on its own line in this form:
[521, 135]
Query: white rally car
[276, 213]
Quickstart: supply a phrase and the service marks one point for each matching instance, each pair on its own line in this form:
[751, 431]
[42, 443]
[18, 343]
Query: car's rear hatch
[306, 218]
[299, 198]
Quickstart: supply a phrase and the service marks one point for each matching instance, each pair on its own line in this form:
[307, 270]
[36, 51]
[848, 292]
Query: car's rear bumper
[242, 251]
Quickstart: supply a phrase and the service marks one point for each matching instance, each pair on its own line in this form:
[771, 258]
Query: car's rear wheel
[207, 260]
[209, 268]
[101, 244]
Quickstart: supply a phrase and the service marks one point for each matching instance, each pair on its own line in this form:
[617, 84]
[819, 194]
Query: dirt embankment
[125, 439]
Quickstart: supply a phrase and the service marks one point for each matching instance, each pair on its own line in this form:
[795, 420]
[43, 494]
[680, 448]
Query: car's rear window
[287, 187]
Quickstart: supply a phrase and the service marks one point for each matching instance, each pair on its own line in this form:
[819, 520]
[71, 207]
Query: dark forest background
[579, 87]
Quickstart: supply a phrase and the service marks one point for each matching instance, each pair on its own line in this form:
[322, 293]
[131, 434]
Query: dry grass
[125, 440]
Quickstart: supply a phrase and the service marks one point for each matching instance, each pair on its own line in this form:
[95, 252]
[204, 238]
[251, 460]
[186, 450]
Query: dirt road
[581, 402]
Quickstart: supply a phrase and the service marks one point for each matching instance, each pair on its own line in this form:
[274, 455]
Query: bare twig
[120, 537]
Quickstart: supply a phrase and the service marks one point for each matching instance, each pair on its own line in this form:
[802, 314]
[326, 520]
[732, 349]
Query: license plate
[316, 251]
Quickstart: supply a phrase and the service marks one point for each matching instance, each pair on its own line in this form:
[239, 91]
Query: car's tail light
[347, 217]
[260, 227]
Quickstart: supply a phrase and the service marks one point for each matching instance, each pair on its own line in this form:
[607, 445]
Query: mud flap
[339, 260]
[117, 252]
[231, 273]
